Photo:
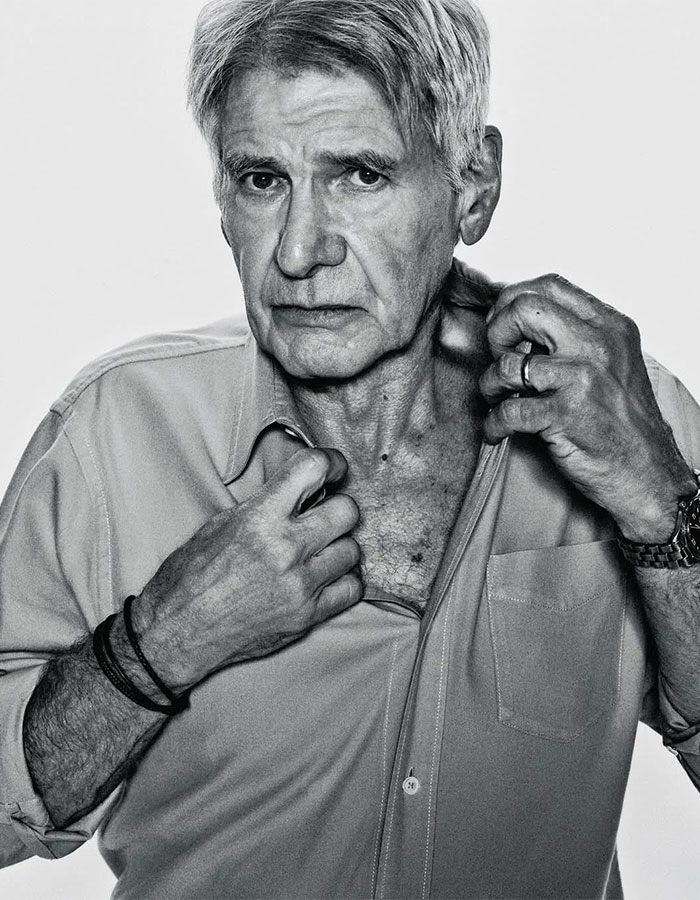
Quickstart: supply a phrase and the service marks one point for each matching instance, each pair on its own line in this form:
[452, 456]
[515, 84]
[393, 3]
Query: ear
[482, 188]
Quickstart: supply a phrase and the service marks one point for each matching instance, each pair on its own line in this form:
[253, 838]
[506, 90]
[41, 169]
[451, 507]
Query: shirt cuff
[678, 734]
[20, 805]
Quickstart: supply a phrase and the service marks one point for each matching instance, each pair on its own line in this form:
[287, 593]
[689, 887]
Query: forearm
[250, 580]
[81, 734]
[671, 599]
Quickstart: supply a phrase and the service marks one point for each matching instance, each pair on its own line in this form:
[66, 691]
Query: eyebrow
[361, 159]
[236, 162]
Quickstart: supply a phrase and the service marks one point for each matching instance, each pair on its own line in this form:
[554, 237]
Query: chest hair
[408, 509]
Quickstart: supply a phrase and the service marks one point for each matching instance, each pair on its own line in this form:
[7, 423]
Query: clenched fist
[255, 577]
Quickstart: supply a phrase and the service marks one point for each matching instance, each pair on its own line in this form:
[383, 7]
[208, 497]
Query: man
[456, 722]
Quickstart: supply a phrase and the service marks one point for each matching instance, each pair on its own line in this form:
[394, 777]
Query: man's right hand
[255, 577]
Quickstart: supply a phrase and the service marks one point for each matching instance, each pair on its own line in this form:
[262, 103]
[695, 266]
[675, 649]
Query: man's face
[341, 229]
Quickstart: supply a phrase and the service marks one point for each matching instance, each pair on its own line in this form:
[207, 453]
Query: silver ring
[525, 372]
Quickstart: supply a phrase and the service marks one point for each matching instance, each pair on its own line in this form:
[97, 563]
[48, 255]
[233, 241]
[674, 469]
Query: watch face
[692, 528]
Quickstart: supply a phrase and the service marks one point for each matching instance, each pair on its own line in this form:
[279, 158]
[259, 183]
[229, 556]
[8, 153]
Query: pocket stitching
[525, 602]
[607, 695]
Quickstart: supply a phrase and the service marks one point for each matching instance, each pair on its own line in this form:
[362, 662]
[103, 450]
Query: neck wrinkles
[398, 400]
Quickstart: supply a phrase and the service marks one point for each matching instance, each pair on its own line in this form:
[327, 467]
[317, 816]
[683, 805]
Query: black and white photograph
[350, 540]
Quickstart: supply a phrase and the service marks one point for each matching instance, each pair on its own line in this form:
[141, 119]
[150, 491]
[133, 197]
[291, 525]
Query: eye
[365, 177]
[259, 181]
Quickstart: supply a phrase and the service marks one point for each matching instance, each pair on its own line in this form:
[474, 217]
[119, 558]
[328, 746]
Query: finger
[333, 561]
[303, 475]
[505, 375]
[533, 317]
[328, 521]
[561, 291]
[338, 596]
[518, 415]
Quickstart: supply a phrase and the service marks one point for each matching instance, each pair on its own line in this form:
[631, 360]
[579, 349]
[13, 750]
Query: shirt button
[411, 785]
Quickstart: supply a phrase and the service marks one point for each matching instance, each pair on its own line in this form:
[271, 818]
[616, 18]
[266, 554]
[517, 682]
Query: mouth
[329, 314]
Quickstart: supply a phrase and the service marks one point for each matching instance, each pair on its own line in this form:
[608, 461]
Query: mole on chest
[403, 535]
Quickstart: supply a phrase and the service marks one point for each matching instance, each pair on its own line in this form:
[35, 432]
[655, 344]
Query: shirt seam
[69, 398]
[108, 525]
[385, 746]
[570, 607]
[438, 720]
[41, 459]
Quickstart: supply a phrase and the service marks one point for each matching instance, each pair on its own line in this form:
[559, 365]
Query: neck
[394, 405]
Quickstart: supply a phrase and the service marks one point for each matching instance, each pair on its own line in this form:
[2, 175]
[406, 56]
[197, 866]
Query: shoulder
[164, 405]
[166, 359]
[678, 407]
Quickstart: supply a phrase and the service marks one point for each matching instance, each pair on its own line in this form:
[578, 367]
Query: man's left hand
[591, 402]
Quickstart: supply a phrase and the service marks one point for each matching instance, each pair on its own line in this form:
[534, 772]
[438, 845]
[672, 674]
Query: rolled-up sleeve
[51, 578]
[682, 413]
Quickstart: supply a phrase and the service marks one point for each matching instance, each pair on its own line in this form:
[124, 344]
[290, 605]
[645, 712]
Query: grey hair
[429, 60]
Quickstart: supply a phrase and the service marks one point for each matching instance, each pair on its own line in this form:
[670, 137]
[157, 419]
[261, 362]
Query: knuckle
[522, 304]
[313, 461]
[504, 366]
[528, 305]
[319, 462]
[629, 328]
[550, 277]
[286, 556]
[525, 417]
[301, 618]
[510, 413]
[299, 591]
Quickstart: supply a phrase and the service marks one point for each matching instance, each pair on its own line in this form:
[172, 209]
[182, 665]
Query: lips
[328, 314]
[311, 309]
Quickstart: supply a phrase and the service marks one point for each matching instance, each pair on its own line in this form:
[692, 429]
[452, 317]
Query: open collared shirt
[478, 750]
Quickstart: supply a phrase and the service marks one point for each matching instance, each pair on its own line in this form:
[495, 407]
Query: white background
[109, 231]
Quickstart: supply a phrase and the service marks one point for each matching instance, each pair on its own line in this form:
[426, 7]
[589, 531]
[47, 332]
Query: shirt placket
[405, 861]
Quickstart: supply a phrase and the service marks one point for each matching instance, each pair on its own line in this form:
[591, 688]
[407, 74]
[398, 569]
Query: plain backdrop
[109, 231]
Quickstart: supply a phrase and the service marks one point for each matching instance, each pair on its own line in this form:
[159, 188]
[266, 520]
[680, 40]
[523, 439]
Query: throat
[393, 416]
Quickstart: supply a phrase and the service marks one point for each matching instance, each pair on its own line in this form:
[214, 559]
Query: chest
[407, 516]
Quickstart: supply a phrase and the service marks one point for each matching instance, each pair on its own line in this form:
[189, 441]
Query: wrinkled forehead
[313, 107]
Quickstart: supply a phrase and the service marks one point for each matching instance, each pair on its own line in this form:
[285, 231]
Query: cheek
[252, 239]
[413, 253]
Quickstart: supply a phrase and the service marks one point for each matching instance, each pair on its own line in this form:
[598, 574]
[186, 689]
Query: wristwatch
[681, 551]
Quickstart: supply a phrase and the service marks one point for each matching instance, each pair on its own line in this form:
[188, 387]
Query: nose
[308, 239]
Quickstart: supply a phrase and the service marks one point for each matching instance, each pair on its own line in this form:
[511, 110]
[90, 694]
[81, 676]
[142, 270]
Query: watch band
[655, 556]
[674, 554]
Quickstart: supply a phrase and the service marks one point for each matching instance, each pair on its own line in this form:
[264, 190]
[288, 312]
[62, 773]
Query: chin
[331, 360]
[338, 366]
[324, 370]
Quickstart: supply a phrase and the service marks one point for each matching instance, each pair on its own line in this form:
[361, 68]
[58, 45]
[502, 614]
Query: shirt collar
[262, 399]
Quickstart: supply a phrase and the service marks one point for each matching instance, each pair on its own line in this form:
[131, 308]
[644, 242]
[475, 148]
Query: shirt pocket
[556, 617]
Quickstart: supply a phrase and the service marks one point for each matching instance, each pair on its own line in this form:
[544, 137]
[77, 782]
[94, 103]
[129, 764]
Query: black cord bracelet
[181, 702]
[107, 661]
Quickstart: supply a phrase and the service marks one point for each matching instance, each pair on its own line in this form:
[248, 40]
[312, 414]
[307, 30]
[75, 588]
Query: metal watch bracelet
[674, 554]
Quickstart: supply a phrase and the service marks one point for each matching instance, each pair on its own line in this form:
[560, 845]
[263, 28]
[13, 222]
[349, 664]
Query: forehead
[269, 113]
